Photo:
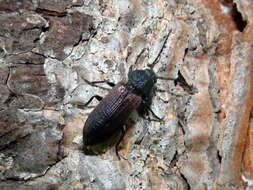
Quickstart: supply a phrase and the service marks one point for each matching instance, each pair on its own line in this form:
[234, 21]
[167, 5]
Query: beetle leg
[81, 105]
[149, 119]
[144, 109]
[99, 98]
[111, 84]
[123, 131]
[151, 111]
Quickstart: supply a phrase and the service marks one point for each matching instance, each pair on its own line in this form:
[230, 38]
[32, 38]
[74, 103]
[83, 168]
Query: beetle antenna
[165, 78]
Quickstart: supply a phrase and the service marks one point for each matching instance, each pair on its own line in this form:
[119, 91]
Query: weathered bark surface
[49, 50]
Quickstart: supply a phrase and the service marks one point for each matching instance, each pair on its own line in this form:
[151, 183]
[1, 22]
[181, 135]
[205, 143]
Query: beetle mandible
[111, 114]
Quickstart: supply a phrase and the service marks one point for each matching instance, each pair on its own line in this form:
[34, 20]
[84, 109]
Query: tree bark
[50, 51]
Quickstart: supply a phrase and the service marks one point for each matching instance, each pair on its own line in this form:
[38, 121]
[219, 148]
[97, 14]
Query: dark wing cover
[110, 114]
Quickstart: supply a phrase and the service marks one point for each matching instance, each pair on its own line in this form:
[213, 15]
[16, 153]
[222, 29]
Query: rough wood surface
[50, 49]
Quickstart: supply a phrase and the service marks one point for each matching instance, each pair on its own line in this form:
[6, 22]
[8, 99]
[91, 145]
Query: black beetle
[111, 113]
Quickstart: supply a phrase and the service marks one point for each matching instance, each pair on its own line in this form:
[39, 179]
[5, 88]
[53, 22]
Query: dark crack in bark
[188, 187]
[50, 12]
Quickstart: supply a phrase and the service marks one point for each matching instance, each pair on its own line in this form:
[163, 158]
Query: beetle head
[141, 82]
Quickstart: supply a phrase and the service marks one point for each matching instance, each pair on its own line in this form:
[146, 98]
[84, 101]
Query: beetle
[111, 114]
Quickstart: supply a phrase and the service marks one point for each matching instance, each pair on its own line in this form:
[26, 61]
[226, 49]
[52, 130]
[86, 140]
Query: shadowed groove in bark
[188, 187]
[235, 14]
[237, 17]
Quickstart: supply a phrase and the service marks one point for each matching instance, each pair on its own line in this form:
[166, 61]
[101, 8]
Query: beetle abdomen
[110, 114]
